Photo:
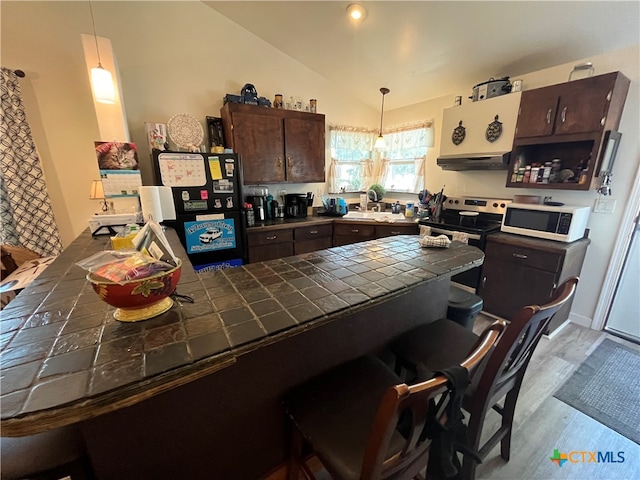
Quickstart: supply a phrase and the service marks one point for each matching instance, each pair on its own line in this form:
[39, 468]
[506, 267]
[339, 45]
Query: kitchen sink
[383, 216]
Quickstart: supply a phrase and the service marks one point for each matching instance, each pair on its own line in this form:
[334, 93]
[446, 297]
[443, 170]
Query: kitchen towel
[441, 241]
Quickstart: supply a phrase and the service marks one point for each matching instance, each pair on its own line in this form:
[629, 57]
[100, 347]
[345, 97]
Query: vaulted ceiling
[427, 49]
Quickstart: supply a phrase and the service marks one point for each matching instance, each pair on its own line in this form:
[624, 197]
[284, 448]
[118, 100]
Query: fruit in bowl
[141, 298]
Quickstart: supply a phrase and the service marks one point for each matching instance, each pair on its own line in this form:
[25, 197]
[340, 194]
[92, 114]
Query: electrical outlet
[282, 193]
[604, 205]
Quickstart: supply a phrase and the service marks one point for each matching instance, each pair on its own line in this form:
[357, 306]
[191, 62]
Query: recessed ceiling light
[356, 11]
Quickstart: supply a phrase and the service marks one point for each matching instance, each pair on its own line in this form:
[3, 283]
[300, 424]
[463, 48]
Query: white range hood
[474, 150]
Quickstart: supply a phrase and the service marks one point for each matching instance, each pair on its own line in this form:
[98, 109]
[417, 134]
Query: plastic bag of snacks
[120, 266]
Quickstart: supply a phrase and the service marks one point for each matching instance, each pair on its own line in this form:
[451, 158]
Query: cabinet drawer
[314, 245]
[312, 232]
[262, 253]
[389, 230]
[539, 259]
[269, 237]
[354, 229]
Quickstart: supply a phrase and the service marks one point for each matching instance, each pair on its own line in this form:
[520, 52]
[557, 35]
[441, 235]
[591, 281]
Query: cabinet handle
[313, 232]
[395, 232]
[548, 116]
[609, 96]
[272, 237]
[289, 162]
[355, 230]
[279, 161]
[519, 255]
[563, 115]
[603, 120]
[483, 282]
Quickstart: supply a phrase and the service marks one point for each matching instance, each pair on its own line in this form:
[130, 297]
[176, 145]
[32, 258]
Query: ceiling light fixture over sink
[356, 11]
[380, 143]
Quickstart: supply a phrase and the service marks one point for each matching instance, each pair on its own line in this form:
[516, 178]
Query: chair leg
[296, 459]
[508, 413]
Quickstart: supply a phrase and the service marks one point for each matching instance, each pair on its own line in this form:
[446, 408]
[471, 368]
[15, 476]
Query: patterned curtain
[25, 209]
[332, 176]
[367, 173]
[419, 181]
[383, 170]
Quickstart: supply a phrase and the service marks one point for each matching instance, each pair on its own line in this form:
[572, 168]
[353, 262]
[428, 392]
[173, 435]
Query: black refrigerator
[207, 194]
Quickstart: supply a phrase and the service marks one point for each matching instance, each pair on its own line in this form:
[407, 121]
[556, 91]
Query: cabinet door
[304, 149]
[506, 288]
[583, 105]
[537, 113]
[398, 229]
[258, 140]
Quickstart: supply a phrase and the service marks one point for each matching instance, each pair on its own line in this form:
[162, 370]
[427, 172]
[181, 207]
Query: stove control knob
[502, 205]
[495, 204]
[457, 202]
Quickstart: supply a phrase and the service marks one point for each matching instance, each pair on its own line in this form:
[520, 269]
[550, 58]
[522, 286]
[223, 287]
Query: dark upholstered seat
[427, 348]
[349, 417]
[49, 455]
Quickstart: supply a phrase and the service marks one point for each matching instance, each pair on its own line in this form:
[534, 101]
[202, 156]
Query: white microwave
[561, 223]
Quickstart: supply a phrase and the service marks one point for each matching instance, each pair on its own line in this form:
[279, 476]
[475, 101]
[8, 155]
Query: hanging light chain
[384, 91]
[95, 36]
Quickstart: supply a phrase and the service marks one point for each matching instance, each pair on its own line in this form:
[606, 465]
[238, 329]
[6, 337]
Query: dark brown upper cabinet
[276, 145]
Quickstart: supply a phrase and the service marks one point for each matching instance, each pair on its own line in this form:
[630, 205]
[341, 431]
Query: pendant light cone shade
[102, 83]
[380, 142]
[101, 79]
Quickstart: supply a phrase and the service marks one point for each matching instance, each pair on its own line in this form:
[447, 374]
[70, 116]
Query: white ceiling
[427, 49]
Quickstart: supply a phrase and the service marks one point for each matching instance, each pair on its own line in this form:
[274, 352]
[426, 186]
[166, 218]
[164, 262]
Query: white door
[624, 315]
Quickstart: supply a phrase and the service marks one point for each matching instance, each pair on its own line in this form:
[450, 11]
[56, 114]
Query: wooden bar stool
[349, 417]
[49, 455]
[428, 348]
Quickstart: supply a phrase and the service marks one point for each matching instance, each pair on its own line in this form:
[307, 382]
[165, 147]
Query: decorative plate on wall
[458, 134]
[185, 131]
[494, 130]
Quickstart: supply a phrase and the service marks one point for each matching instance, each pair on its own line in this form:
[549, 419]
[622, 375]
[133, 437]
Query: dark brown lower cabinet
[520, 271]
[396, 229]
[311, 238]
[269, 244]
[346, 233]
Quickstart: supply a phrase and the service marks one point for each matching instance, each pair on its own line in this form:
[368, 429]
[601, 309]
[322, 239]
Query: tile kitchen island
[196, 392]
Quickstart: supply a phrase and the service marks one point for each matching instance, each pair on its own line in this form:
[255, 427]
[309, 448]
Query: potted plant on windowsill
[376, 192]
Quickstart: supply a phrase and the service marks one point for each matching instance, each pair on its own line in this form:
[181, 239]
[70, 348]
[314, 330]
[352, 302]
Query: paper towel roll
[150, 202]
[166, 201]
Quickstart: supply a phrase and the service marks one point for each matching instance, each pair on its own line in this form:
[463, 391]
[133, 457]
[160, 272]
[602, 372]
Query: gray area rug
[606, 387]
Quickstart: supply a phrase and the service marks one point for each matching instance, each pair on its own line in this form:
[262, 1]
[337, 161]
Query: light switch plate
[604, 205]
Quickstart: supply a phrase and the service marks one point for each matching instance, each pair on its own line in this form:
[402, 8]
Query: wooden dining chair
[427, 348]
[349, 417]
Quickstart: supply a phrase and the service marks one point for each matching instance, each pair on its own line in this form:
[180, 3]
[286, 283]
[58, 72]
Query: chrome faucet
[375, 208]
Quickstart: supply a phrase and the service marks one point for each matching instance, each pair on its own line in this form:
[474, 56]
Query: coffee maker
[258, 197]
[295, 205]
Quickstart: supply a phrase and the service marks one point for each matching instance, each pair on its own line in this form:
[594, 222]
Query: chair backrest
[416, 400]
[508, 362]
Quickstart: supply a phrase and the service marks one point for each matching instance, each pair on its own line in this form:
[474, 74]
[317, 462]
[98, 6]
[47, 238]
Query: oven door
[470, 278]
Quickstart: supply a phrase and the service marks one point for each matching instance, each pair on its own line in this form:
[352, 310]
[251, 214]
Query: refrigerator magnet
[204, 194]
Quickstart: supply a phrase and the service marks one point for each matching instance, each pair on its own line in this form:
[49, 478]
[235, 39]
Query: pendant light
[101, 79]
[380, 143]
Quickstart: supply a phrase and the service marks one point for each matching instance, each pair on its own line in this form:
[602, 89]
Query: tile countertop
[64, 358]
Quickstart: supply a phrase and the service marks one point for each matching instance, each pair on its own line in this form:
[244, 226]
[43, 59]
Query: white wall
[183, 57]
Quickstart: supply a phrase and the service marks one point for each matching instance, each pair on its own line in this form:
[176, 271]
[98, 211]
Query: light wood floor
[544, 423]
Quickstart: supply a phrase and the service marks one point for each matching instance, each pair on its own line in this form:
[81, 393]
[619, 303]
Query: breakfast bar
[196, 392]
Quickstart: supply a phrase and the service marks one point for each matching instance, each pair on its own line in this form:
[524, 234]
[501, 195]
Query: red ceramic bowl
[141, 298]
